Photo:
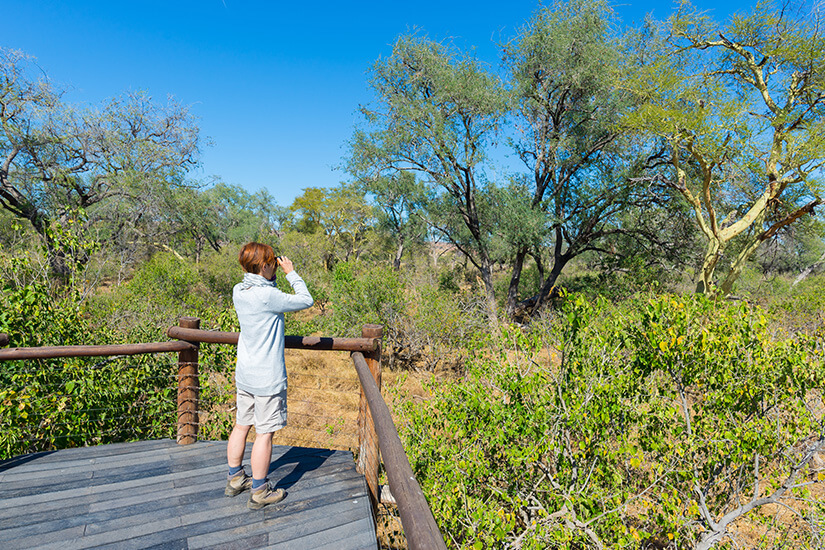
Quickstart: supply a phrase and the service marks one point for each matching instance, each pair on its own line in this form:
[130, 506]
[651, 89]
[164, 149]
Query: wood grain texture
[157, 494]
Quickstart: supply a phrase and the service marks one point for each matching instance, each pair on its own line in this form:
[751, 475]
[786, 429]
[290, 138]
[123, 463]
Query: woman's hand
[286, 264]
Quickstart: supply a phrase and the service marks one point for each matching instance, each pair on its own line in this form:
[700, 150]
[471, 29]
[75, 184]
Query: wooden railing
[377, 434]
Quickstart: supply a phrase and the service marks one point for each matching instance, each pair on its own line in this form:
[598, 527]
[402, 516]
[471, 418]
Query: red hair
[254, 256]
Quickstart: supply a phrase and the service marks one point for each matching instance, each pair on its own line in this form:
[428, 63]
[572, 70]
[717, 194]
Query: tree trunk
[559, 261]
[712, 254]
[399, 251]
[489, 291]
[515, 279]
[558, 265]
[738, 264]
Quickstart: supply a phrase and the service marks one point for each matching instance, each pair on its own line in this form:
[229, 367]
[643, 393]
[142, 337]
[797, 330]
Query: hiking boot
[237, 484]
[263, 495]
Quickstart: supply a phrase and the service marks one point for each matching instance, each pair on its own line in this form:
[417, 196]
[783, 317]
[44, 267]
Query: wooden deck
[158, 494]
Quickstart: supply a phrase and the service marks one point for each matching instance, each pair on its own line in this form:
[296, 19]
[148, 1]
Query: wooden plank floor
[158, 494]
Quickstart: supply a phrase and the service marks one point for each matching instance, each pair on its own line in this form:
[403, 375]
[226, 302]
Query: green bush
[221, 271]
[35, 315]
[161, 290]
[800, 309]
[662, 415]
[359, 297]
[620, 281]
[433, 327]
[54, 404]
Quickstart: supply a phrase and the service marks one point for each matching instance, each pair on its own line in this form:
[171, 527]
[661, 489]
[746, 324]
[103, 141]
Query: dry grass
[390, 533]
[323, 398]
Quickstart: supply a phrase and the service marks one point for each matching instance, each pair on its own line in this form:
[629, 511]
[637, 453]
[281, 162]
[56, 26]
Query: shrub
[662, 416]
[161, 290]
[35, 315]
[801, 309]
[54, 404]
[433, 327]
[360, 297]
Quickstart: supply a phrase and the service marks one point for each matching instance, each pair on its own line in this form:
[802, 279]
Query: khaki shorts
[266, 412]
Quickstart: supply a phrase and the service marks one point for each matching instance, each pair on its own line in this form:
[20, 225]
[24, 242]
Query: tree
[58, 160]
[241, 216]
[400, 200]
[565, 66]
[340, 217]
[738, 113]
[437, 111]
[309, 209]
[347, 220]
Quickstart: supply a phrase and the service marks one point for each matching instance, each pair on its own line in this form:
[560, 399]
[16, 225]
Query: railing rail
[292, 342]
[377, 433]
[416, 517]
[184, 338]
[56, 352]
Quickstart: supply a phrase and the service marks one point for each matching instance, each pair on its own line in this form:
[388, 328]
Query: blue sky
[275, 85]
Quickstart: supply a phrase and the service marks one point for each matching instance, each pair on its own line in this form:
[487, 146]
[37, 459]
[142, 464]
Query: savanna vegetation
[601, 260]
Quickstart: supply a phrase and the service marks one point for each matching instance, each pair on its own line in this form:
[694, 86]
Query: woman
[260, 372]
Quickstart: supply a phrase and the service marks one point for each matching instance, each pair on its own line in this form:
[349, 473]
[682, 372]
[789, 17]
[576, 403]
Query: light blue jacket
[260, 369]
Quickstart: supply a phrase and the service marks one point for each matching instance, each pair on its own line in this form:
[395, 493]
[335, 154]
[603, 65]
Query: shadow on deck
[158, 494]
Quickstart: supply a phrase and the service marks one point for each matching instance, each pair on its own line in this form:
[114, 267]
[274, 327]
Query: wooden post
[368, 452]
[188, 388]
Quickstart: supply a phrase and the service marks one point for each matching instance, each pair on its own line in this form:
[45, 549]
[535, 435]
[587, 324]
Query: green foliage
[221, 271]
[164, 277]
[432, 328]
[800, 308]
[661, 413]
[49, 404]
[35, 315]
[437, 110]
[240, 216]
[161, 290]
[361, 296]
[400, 202]
[623, 279]
[336, 222]
[70, 242]
[52, 404]
[217, 368]
[447, 281]
[57, 404]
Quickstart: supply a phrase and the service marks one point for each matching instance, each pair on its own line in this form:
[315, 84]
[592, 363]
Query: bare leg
[261, 455]
[236, 445]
